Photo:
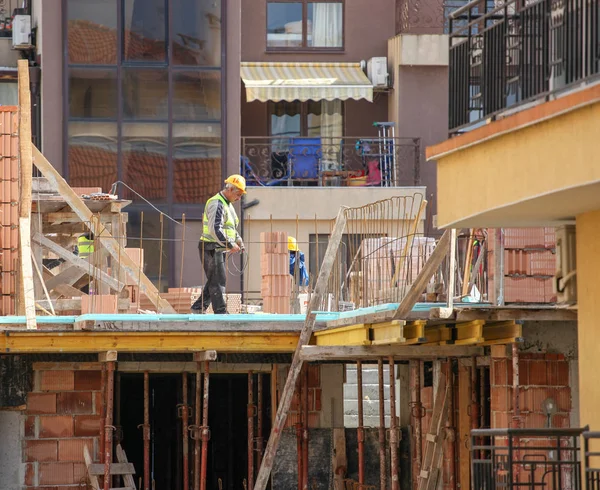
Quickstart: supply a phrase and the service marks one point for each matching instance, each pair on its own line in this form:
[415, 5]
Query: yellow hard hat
[292, 244]
[238, 181]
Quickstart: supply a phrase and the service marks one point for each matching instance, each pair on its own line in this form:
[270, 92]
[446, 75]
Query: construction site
[408, 361]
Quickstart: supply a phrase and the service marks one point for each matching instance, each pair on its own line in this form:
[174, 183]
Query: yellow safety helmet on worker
[292, 244]
[238, 181]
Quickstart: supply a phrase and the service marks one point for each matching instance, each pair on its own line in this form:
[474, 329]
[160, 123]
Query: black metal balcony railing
[591, 460]
[340, 162]
[503, 54]
[509, 459]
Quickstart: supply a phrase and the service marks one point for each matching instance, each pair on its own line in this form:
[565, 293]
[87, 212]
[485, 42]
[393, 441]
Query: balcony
[331, 162]
[505, 57]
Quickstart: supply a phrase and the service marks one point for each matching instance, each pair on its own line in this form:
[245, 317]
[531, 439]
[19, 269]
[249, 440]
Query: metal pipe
[185, 422]
[516, 405]
[259, 420]
[393, 428]
[146, 431]
[196, 427]
[299, 439]
[250, 430]
[450, 432]
[474, 399]
[103, 394]
[108, 424]
[360, 430]
[382, 473]
[417, 412]
[305, 429]
[205, 431]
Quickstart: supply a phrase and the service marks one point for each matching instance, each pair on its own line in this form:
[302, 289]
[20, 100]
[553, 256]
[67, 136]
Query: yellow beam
[414, 332]
[468, 333]
[438, 335]
[352, 335]
[387, 332]
[82, 342]
[502, 330]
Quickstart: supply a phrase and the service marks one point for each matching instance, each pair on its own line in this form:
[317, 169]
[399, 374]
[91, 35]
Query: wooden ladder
[123, 468]
[434, 440]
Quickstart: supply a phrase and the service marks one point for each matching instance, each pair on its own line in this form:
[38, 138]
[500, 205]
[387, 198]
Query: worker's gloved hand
[235, 249]
[240, 244]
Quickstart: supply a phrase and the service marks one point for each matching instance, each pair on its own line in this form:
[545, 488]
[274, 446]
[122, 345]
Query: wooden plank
[420, 283]
[74, 304]
[67, 277]
[27, 286]
[202, 324]
[316, 299]
[115, 469]
[25, 145]
[451, 274]
[78, 262]
[100, 232]
[405, 257]
[505, 313]
[467, 268]
[122, 458]
[43, 284]
[311, 353]
[464, 424]
[156, 367]
[37, 257]
[88, 462]
[498, 238]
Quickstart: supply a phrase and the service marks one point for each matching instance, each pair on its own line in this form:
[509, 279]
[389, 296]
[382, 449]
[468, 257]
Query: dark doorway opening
[228, 422]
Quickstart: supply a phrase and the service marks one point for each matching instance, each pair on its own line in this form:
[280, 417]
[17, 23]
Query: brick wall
[314, 400]
[540, 376]
[63, 415]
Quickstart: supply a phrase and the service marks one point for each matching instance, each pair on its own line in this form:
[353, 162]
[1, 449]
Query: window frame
[305, 48]
[303, 118]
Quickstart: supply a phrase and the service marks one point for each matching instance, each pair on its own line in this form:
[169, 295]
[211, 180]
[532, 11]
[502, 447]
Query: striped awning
[305, 81]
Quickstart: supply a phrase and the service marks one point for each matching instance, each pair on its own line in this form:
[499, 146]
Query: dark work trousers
[213, 261]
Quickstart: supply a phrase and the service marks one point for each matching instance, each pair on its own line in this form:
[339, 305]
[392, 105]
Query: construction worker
[85, 245]
[297, 262]
[219, 236]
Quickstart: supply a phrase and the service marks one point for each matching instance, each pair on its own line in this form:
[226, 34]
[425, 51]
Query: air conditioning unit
[565, 280]
[377, 71]
[21, 32]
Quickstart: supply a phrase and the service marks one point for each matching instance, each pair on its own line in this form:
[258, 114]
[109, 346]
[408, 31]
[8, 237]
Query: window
[305, 24]
[321, 118]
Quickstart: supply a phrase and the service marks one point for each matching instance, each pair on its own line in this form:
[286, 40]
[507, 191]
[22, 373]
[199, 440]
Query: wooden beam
[551, 314]
[207, 355]
[286, 396]
[420, 283]
[43, 285]
[451, 274]
[25, 145]
[100, 232]
[311, 353]
[467, 270]
[69, 304]
[78, 262]
[67, 277]
[27, 287]
[108, 356]
[50, 341]
[206, 324]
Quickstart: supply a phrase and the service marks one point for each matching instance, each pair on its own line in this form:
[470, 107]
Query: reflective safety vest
[85, 246]
[230, 221]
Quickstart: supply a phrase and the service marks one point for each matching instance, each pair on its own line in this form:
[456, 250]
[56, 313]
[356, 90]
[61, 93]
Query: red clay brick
[501, 420]
[57, 380]
[539, 356]
[501, 399]
[87, 425]
[532, 398]
[427, 397]
[314, 376]
[318, 399]
[40, 451]
[538, 373]
[79, 473]
[29, 474]
[55, 473]
[523, 372]
[562, 373]
[98, 405]
[57, 426]
[44, 403]
[30, 427]
[72, 449]
[87, 380]
[75, 402]
[533, 421]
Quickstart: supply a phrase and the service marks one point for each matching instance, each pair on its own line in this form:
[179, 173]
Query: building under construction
[109, 382]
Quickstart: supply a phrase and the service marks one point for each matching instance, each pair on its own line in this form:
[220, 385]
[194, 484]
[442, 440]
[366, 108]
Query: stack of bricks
[63, 415]
[529, 264]
[276, 284]
[314, 400]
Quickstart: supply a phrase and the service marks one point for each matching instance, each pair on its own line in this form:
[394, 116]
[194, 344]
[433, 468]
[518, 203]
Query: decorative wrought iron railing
[323, 161]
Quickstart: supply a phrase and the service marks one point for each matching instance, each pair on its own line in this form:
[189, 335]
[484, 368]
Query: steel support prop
[360, 430]
[108, 424]
[450, 431]
[382, 469]
[195, 429]
[251, 410]
[204, 430]
[103, 413]
[417, 412]
[393, 428]
[305, 411]
[146, 431]
[474, 399]
[259, 420]
[299, 443]
[185, 416]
